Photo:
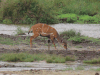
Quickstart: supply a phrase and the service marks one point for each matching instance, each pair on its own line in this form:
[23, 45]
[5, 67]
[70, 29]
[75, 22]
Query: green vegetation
[70, 18]
[73, 18]
[75, 37]
[49, 11]
[92, 61]
[19, 31]
[26, 57]
[7, 21]
[70, 33]
[79, 68]
[78, 46]
[98, 69]
[7, 41]
[68, 69]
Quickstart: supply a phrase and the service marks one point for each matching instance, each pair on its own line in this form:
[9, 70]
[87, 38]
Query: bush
[81, 7]
[76, 39]
[70, 33]
[28, 11]
[88, 19]
[19, 31]
[7, 21]
[45, 11]
[70, 18]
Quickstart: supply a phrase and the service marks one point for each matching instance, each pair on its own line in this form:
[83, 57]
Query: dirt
[49, 72]
[82, 51]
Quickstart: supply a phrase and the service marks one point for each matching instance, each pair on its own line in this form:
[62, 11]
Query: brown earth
[50, 72]
[83, 51]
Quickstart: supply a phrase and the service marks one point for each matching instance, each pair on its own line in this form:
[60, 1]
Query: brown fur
[45, 31]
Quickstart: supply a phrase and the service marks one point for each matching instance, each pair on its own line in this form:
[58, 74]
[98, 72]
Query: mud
[88, 50]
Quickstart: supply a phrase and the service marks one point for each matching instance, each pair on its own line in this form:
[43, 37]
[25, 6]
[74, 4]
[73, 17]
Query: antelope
[45, 30]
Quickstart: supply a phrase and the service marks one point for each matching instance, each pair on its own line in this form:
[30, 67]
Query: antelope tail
[29, 30]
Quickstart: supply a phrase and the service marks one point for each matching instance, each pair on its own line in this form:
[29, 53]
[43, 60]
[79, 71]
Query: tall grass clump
[70, 33]
[26, 57]
[92, 61]
[76, 37]
[19, 30]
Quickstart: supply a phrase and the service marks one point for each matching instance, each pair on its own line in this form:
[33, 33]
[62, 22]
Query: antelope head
[64, 44]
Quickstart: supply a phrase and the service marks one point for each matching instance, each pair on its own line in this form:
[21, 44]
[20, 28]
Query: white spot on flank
[51, 33]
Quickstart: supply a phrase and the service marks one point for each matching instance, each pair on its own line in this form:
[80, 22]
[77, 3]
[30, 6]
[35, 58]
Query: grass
[19, 30]
[46, 11]
[92, 61]
[68, 69]
[98, 69]
[7, 41]
[26, 57]
[79, 68]
[70, 33]
[73, 18]
[78, 46]
[75, 37]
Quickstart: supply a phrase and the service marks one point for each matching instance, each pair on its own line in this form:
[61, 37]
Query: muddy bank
[88, 50]
[49, 72]
[80, 55]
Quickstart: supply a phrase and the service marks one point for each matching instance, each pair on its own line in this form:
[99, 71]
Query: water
[90, 30]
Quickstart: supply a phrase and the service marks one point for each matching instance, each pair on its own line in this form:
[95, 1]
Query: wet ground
[83, 51]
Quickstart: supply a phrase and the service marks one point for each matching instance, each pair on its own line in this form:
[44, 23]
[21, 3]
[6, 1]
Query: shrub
[86, 19]
[19, 31]
[81, 7]
[70, 33]
[45, 10]
[70, 18]
[27, 11]
[7, 21]
[76, 39]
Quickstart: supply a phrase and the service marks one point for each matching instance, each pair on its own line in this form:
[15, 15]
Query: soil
[82, 51]
[49, 72]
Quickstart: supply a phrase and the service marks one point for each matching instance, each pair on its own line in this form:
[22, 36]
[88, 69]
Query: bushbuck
[45, 30]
